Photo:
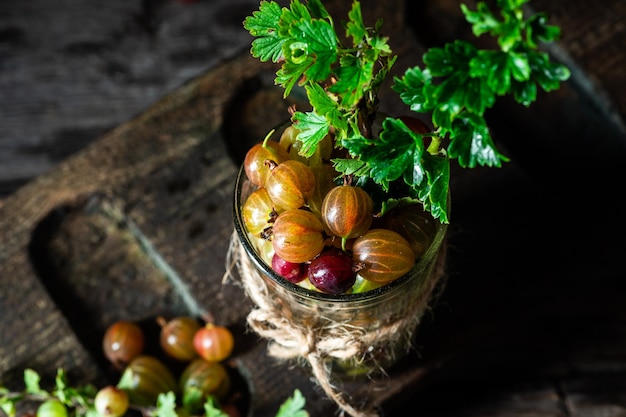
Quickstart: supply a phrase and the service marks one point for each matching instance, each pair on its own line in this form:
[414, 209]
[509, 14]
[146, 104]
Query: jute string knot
[316, 342]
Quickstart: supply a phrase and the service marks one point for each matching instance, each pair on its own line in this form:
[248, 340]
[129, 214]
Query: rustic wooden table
[118, 197]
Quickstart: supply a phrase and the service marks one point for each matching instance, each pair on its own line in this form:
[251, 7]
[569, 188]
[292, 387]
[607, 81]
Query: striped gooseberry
[414, 224]
[201, 379]
[290, 184]
[347, 211]
[384, 255]
[145, 378]
[214, 343]
[123, 341]
[258, 211]
[297, 235]
[176, 337]
[255, 165]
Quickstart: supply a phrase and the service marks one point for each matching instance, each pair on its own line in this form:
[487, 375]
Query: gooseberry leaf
[212, 409]
[433, 193]
[31, 382]
[354, 78]
[317, 9]
[354, 167]
[411, 89]
[263, 24]
[293, 406]
[395, 154]
[313, 128]
[355, 26]
[8, 405]
[472, 144]
[538, 30]
[166, 405]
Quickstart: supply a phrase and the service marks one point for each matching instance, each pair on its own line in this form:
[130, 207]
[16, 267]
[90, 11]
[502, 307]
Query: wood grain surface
[73, 70]
[124, 124]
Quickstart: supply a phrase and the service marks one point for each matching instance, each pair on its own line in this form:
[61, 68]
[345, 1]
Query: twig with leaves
[456, 86]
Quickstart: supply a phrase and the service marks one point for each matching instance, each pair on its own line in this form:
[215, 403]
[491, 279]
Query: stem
[161, 321]
[269, 135]
[208, 318]
[435, 143]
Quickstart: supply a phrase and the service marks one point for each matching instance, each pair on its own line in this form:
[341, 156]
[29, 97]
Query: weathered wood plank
[76, 69]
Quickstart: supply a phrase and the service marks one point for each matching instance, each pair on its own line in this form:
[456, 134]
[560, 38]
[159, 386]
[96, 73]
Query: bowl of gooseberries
[181, 355]
[317, 241]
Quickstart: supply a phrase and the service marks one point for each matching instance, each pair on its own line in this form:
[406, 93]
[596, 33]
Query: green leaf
[410, 88]
[309, 48]
[380, 47]
[212, 409]
[351, 167]
[383, 73]
[482, 20]
[264, 21]
[267, 48]
[166, 405]
[317, 9]
[31, 382]
[511, 4]
[510, 34]
[547, 74]
[519, 66]
[354, 79]
[82, 395]
[8, 407]
[8, 403]
[290, 16]
[288, 76]
[471, 143]
[313, 128]
[524, 93]
[396, 154]
[537, 30]
[61, 380]
[61, 389]
[355, 26]
[438, 62]
[193, 398]
[264, 24]
[321, 102]
[433, 193]
[451, 92]
[321, 45]
[325, 106]
[293, 406]
[479, 96]
[493, 67]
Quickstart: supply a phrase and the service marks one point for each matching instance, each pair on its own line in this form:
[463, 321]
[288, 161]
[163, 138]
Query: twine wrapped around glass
[338, 336]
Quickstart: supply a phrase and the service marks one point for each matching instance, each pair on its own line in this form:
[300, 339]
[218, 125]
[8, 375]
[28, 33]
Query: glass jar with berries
[336, 278]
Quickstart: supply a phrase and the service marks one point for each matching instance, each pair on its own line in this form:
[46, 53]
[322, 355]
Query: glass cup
[349, 334]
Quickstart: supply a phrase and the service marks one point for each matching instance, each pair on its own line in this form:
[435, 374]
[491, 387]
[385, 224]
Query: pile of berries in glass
[322, 230]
